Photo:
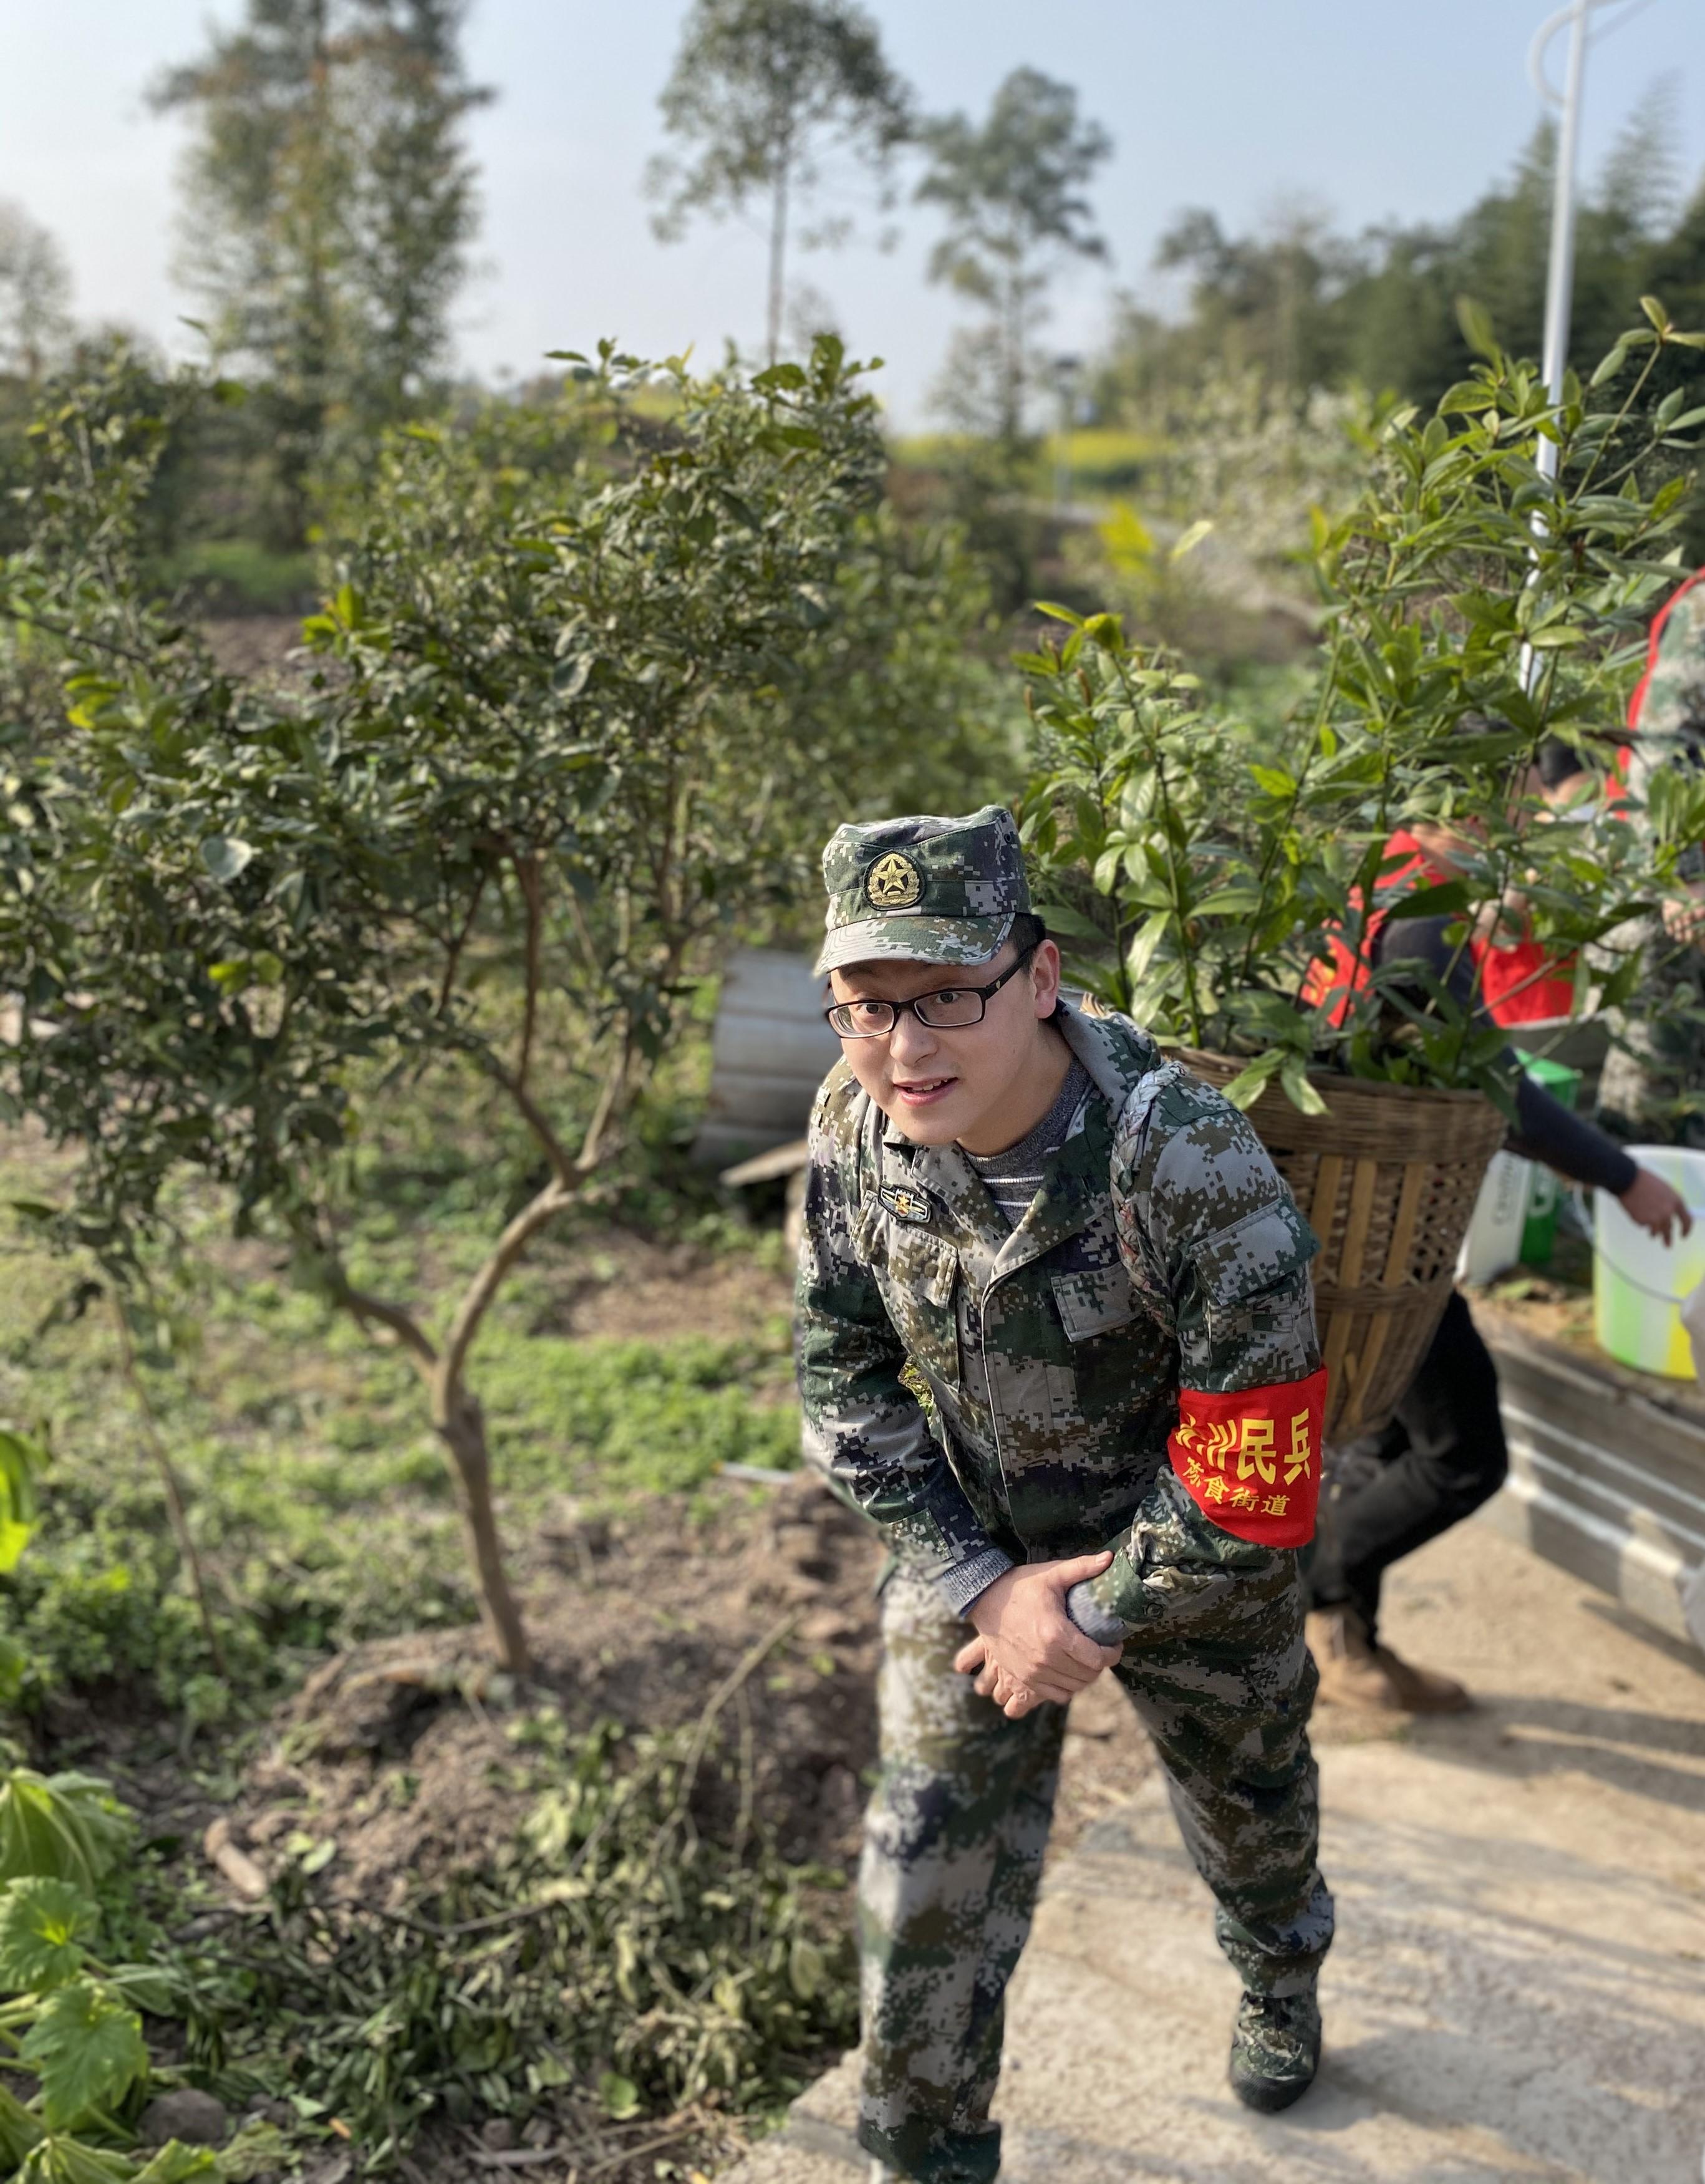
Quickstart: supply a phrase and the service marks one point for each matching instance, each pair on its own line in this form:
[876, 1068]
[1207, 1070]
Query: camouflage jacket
[991, 1395]
[1670, 704]
[1671, 720]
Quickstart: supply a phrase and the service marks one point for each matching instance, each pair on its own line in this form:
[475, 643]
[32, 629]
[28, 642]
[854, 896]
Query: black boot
[1275, 2049]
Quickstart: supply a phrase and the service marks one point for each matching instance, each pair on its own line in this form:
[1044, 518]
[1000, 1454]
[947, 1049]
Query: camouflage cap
[925, 890]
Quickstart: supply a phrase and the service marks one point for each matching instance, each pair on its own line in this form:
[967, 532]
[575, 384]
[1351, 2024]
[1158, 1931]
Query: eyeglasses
[949, 1008]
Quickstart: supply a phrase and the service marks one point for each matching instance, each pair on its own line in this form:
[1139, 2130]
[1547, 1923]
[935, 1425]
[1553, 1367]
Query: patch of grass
[1098, 459]
[240, 575]
[319, 1497]
[611, 1417]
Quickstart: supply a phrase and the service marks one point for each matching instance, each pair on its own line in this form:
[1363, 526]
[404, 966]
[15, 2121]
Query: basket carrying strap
[1251, 1461]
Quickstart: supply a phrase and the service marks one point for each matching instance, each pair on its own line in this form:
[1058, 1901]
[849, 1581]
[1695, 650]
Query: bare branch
[155, 1444]
[537, 1213]
[452, 949]
[608, 1098]
[379, 1311]
[526, 873]
[563, 1164]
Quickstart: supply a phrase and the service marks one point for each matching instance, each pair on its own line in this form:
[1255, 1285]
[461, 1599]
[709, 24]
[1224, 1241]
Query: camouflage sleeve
[1212, 1239]
[862, 1427]
[1672, 716]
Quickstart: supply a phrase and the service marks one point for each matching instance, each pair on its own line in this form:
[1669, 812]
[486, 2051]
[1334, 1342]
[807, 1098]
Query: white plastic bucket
[1638, 1285]
[1494, 1240]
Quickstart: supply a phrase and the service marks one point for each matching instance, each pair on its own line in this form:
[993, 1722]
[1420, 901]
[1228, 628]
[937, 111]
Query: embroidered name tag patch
[1251, 1461]
[906, 1204]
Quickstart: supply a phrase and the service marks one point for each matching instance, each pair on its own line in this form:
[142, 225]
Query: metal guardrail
[1606, 1475]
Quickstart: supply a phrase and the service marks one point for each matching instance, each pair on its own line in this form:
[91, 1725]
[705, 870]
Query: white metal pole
[1559, 295]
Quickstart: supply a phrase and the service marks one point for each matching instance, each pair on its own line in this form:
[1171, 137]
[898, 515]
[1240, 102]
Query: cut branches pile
[641, 1953]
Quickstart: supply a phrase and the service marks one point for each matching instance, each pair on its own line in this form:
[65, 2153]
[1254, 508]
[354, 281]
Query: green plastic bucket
[1538, 1229]
[1639, 1285]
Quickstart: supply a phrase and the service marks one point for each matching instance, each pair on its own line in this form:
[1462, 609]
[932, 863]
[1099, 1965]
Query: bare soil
[261, 648]
[622, 1283]
[397, 1752]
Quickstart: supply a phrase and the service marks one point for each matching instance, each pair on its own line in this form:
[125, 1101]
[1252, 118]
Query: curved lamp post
[1559, 291]
[1559, 294]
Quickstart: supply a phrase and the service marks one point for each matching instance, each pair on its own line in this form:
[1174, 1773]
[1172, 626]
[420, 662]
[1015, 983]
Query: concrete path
[1518, 1989]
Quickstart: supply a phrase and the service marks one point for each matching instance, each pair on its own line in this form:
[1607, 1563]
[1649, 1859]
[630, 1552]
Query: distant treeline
[1312, 307]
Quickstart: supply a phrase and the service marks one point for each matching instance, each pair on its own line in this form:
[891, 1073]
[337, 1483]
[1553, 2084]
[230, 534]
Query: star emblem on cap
[893, 883]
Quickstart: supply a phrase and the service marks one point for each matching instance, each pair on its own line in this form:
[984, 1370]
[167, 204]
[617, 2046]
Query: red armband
[1252, 1461]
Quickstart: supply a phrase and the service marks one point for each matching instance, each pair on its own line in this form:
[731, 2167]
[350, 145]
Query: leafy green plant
[262, 911]
[69, 2019]
[22, 1461]
[67, 1828]
[1474, 606]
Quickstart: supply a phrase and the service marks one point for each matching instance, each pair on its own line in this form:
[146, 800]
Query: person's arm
[862, 1426]
[1546, 1130]
[1212, 1237]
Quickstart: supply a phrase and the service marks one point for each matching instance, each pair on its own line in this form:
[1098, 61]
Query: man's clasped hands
[1027, 1650]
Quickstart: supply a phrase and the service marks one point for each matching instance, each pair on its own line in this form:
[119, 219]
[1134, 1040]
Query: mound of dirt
[394, 1757]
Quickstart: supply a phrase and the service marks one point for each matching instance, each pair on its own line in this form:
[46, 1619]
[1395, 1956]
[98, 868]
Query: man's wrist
[967, 1583]
[1094, 1621]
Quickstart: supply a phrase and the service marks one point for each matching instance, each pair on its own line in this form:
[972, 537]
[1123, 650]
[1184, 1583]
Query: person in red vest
[1514, 977]
[1652, 1088]
[1444, 1453]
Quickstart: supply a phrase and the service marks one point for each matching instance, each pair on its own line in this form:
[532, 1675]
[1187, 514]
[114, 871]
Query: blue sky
[1368, 109]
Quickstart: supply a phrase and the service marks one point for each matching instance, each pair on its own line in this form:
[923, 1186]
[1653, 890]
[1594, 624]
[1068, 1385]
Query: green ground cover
[645, 1960]
[1098, 460]
[240, 575]
[318, 1497]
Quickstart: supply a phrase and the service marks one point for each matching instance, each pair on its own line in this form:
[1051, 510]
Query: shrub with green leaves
[241, 918]
[1477, 602]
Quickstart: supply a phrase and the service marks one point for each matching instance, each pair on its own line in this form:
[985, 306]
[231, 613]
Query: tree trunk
[461, 1426]
[176, 1509]
[779, 254]
[1012, 364]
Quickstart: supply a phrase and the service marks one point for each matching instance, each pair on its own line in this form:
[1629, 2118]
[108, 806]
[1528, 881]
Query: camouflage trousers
[955, 1831]
[1652, 1088]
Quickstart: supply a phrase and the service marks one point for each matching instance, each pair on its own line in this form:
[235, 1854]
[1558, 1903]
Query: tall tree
[1012, 190]
[35, 294]
[765, 91]
[537, 752]
[331, 201]
[1259, 300]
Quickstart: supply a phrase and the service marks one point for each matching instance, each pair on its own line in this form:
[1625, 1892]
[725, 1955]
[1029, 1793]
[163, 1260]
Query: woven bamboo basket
[1387, 1178]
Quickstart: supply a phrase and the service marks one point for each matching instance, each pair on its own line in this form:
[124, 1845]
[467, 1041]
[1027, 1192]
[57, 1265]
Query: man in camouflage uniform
[1083, 1401]
[1653, 1082]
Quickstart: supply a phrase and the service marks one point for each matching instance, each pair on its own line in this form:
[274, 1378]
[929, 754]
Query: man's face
[961, 1085]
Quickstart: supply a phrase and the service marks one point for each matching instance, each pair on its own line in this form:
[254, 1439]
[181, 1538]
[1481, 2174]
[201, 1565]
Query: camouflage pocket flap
[1237, 1264]
[923, 1264]
[1094, 1300]
[870, 1230]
